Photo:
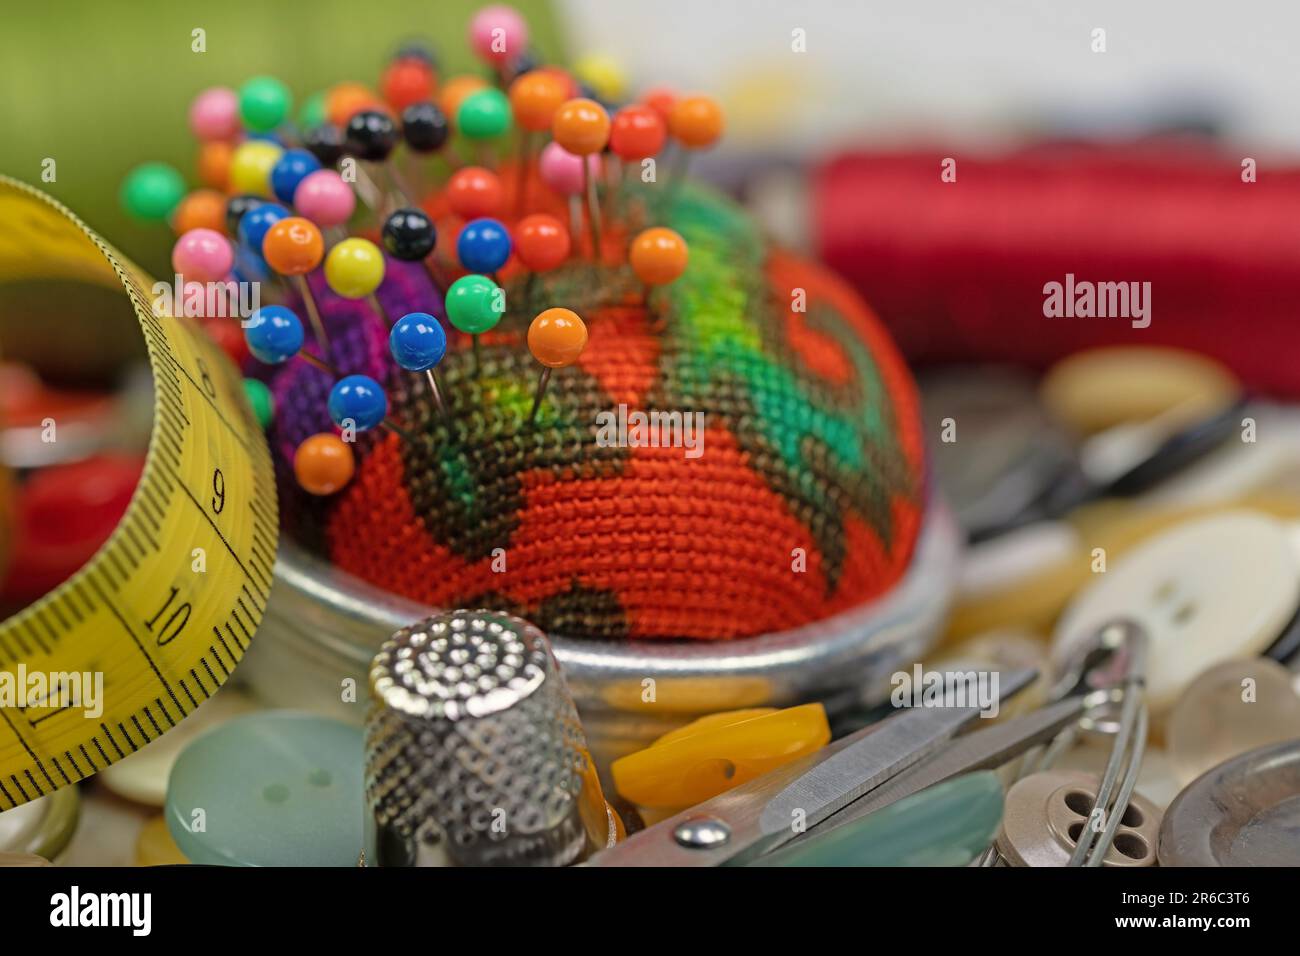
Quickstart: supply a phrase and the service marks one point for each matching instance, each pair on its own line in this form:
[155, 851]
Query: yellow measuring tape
[168, 605]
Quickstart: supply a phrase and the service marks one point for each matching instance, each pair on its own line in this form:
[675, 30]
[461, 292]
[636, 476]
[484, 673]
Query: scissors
[849, 778]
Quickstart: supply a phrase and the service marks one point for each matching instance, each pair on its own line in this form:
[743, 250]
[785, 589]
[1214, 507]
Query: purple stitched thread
[358, 343]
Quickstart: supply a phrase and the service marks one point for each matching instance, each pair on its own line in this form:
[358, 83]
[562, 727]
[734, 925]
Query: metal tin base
[323, 626]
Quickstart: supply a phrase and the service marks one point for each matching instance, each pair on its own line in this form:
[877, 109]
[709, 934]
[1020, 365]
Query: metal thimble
[473, 732]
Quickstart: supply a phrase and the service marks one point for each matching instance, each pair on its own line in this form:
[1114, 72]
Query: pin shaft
[541, 390]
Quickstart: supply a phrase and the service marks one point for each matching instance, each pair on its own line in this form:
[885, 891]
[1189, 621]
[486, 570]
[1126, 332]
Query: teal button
[275, 788]
[947, 825]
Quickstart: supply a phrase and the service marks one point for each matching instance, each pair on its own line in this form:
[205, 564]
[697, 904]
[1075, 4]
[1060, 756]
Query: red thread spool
[957, 269]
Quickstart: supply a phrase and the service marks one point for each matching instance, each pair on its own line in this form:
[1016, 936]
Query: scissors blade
[980, 750]
[761, 815]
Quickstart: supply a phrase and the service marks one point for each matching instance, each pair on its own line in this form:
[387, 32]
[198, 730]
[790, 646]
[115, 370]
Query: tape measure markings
[136, 612]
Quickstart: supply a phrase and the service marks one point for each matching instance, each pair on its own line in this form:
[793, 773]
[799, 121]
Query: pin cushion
[801, 497]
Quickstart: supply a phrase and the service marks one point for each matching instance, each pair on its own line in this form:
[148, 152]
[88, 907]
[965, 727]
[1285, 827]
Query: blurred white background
[961, 70]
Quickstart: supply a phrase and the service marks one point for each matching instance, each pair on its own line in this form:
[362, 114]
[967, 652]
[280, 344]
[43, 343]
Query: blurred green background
[100, 87]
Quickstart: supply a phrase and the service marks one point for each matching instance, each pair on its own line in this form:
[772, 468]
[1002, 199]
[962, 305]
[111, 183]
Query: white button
[1206, 591]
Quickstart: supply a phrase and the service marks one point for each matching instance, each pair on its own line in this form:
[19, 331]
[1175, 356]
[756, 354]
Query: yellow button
[716, 753]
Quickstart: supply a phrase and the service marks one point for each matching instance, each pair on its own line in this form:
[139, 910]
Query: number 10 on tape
[165, 610]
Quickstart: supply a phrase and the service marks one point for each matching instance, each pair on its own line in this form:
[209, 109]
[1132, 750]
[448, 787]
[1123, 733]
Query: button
[1242, 813]
[275, 788]
[1046, 813]
[1101, 388]
[1208, 590]
[142, 777]
[945, 825]
[1229, 709]
[713, 754]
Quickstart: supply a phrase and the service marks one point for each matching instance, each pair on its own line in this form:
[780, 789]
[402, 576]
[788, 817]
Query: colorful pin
[483, 246]
[294, 166]
[293, 247]
[344, 99]
[325, 142]
[475, 305]
[256, 222]
[264, 103]
[498, 34]
[274, 334]
[425, 127]
[603, 75]
[354, 269]
[418, 343]
[251, 165]
[325, 199]
[636, 133]
[203, 255]
[658, 256]
[542, 243]
[474, 192]
[407, 80]
[696, 123]
[261, 400]
[484, 115]
[371, 135]
[151, 191]
[312, 112]
[563, 172]
[323, 464]
[534, 98]
[556, 338]
[214, 162]
[358, 399]
[236, 207]
[201, 209]
[410, 235]
[581, 126]
[214, 114]
[455, 90]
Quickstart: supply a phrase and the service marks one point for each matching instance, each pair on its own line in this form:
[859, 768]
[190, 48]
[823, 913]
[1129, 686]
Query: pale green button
[947, 825]
[275, 788]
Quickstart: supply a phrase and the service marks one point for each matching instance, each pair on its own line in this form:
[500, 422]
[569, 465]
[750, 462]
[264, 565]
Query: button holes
[275, 793]
[1074, 830]
[1131, 845]
[1133, 817]
[1184, 613]
[1080, 803]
